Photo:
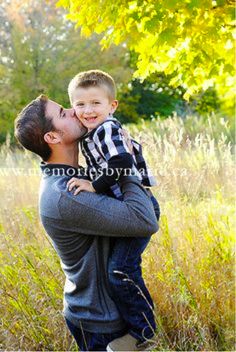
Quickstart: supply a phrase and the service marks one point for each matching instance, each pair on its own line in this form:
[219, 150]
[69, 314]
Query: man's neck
[67, 155]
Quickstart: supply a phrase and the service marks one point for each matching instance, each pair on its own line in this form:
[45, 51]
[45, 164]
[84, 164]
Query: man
[81, 226]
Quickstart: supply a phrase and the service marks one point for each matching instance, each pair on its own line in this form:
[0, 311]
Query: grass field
[188, 266]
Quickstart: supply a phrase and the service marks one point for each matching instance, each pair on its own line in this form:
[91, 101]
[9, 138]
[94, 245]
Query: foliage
[205, 102]
[188, 266]
[192, 40]
[154, 98]
[41, 53]
[148, 99]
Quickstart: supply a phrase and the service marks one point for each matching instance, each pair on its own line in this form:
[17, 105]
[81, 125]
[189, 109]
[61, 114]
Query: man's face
[65, 122]
[92, 105]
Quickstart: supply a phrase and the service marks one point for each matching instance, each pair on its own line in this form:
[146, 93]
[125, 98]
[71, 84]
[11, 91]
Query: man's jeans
[89, 341]
[128, 288]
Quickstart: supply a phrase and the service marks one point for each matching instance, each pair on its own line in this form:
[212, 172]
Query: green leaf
[166, 36]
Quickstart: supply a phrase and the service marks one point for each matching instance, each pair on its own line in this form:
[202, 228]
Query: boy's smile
[90, 118]
[92, 105]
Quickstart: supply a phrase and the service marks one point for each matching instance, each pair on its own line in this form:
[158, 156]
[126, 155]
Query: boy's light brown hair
[93, 78]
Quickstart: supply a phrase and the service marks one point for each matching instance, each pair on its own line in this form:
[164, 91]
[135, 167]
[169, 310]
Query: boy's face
[92, 105]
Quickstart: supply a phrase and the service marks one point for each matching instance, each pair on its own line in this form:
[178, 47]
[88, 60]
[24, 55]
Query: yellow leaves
[207, 83]
[144, 69]
[229, 45]
[234, 34]
[175, 81]
[132, 5]
[185, 44]
[189, 39]
[161, 66]
[85, 31]
[199, 72]
[188, 93]
[129, 24]
[63, 3]
[172, 53]
[141, 24]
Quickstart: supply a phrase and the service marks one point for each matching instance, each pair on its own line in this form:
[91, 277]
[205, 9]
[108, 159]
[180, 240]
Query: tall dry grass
[188, 266]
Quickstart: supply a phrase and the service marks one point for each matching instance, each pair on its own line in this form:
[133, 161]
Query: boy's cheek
[83, 121]
[77, 114]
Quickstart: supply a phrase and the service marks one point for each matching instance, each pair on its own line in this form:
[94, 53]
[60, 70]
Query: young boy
[109, 154]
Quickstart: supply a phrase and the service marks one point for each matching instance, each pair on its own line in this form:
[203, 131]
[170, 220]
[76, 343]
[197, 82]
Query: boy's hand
[80, 185]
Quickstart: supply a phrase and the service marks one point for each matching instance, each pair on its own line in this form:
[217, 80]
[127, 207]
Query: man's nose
[71, 112]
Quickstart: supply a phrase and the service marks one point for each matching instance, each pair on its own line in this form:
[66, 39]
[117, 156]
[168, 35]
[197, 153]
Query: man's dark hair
[31, 125]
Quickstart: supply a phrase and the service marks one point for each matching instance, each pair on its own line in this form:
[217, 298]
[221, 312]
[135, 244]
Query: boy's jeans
[128, 288]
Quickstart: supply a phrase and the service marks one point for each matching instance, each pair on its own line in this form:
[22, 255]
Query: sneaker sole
[150, 348]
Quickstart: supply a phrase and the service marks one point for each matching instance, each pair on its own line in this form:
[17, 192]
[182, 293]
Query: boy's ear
[52, 137]
[114, 105]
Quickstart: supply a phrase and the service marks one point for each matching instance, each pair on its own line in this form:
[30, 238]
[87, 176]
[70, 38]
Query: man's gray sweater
[80, 228]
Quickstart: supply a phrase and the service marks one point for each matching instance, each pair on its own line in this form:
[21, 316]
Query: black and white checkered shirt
[107, 141]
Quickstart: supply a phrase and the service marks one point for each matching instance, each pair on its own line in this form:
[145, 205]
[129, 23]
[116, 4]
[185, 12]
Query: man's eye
[97, 102]
[80, 104]
[63, 114]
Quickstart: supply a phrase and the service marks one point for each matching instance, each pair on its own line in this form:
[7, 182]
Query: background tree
[41, 52]
[189, 40]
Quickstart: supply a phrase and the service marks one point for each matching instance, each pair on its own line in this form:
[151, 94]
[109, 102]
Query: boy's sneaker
[129, 343]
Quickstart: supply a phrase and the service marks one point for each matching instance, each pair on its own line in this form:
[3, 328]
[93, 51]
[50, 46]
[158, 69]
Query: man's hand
[80, 185]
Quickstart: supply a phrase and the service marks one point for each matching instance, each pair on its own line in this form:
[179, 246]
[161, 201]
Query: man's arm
[95, 214]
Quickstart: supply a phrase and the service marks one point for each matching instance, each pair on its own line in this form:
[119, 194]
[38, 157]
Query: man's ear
[52, 137]
[114, 106]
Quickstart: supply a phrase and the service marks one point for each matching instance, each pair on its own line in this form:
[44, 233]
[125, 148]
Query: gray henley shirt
[80, 228]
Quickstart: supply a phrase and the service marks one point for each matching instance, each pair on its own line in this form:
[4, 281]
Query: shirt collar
[90, 134]
[61, 170]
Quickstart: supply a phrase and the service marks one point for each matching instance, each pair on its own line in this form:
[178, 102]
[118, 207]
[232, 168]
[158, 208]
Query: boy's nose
[88, 109]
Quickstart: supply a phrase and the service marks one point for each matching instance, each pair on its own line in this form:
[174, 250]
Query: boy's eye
[79, 104]
[97, 102]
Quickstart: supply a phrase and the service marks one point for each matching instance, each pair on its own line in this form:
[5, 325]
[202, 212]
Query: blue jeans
[89, 341]
[128, 288]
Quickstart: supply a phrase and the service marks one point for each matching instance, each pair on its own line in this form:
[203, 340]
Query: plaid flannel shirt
[107, 141]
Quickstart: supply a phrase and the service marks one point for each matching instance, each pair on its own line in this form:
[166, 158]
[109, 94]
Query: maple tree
[190, 40]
